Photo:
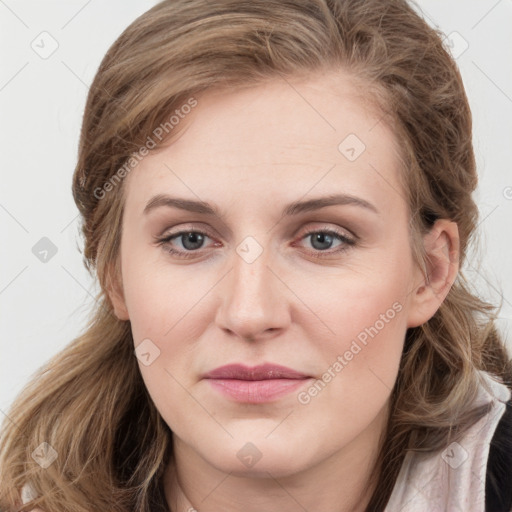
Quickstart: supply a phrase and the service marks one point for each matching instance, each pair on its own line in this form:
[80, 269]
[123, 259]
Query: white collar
[453, 478]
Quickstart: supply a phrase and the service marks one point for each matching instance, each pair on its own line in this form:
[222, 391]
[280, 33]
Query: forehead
[283, 137]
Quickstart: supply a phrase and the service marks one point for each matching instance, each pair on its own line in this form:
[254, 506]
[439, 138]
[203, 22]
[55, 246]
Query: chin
[258, 458]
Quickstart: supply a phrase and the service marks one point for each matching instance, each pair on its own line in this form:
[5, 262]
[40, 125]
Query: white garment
[27, 493]
[453, 479]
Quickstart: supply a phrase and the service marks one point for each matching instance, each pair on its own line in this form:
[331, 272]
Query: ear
[441, 245]
[114, 287]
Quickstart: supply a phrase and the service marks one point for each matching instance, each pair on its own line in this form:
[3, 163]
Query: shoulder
[477, 469]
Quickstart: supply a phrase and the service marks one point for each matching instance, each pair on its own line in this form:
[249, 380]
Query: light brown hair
[89, 402]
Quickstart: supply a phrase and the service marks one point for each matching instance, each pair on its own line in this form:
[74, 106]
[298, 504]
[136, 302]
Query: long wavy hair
[89, 402]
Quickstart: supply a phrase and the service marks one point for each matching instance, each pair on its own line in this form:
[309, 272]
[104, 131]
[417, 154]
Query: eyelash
[347, 243]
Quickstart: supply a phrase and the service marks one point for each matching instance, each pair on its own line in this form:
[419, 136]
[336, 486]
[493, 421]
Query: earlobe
[441, 245]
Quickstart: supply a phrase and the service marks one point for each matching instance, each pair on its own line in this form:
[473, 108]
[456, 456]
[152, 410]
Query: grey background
[44, 305]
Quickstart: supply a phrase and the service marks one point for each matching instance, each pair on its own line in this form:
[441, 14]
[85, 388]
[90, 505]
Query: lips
[255, 385]
[261, 372]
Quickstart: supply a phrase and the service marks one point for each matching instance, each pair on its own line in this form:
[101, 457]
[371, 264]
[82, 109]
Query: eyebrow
[294, 208]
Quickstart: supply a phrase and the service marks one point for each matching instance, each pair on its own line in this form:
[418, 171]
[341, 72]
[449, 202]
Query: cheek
[360, 363]
[168, 314]
[352, 300]
[366, 314]
[159, 299]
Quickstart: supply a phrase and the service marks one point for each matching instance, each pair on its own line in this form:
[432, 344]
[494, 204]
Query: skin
[250, 153]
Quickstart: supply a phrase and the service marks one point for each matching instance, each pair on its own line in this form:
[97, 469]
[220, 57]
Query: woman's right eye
[190, 241]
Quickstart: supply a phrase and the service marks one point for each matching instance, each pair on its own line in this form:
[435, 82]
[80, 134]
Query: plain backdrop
[50, 52]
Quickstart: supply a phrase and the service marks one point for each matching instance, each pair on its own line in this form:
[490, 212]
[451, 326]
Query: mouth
[258, 384]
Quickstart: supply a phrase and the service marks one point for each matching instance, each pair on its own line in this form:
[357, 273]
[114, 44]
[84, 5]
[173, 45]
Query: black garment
[498, 484]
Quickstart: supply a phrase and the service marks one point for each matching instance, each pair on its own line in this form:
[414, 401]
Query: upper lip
[260, 372]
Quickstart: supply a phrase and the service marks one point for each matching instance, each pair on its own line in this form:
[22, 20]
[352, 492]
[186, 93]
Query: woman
[276, 200]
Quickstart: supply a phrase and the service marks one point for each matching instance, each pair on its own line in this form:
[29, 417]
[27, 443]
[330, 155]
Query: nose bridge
[252, 304]
[250, 278]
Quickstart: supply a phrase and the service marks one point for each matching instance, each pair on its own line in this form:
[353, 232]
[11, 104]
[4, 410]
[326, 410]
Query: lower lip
[256, 391]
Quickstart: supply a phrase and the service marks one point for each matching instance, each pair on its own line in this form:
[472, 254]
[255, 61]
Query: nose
[253, 305]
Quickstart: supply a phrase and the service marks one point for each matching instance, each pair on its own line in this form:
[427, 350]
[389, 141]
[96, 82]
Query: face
[272, 276]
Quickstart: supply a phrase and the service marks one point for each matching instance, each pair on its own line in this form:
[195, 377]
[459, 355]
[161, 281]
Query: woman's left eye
[321, 240]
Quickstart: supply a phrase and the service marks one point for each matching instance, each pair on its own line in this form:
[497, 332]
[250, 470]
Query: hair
[89, 402]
